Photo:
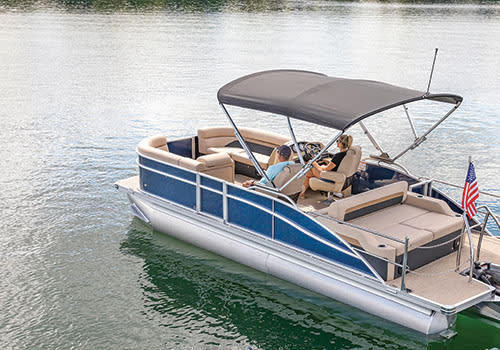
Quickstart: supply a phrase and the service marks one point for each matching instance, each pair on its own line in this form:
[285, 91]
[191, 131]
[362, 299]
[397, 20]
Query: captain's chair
[295, 187]
[339, 181]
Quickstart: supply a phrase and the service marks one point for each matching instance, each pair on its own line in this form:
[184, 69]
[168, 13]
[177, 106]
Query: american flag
[471, 192]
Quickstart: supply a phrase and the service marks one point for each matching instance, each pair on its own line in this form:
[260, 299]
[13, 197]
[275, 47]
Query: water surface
[83, 82]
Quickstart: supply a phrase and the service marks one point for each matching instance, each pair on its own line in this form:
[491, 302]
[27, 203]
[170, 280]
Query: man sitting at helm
[284, 153]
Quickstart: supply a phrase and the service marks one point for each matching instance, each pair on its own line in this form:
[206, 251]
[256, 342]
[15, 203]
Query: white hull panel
[214, 236]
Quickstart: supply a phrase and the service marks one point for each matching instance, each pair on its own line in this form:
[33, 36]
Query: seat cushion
[216, 159]
[387, 217]
[439, 224]
[223, 149]
[242, 157]
[416, 237]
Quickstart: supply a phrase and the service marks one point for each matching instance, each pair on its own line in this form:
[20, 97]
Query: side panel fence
[249, 210]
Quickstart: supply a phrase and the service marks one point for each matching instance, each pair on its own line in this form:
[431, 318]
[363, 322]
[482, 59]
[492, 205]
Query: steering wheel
[311, 149]
[301, 144]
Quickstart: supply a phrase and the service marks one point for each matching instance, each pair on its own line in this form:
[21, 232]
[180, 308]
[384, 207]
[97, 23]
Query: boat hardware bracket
[448, 334]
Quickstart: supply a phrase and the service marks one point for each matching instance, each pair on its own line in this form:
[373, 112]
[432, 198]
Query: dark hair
[284, 151]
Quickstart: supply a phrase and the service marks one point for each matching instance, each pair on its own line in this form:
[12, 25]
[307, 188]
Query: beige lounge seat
[335, 181]
[222, 140]
[397, 213]
[218, 165]
[295, 187]
[242, 157]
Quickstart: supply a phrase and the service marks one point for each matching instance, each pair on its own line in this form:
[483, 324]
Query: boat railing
[466, 228]
[426, 186]
[487, 214]
[404, 266]
[274, 192]
[424, 179]
[236, 206]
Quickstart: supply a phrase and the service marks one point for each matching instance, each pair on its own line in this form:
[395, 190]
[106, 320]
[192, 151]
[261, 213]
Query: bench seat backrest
[219, 137]
[367, 202]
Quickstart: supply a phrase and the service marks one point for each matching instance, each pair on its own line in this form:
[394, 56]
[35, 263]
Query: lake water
[83, 82]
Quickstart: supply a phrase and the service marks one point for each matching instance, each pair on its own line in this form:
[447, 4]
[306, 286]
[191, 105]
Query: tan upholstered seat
[156, 147]
[223, 140]
[334, 181]
[217, 165]
[392, 211]
[295, 187]
[242, 157]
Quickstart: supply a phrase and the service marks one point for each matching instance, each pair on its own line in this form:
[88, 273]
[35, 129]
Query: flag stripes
[471, 192]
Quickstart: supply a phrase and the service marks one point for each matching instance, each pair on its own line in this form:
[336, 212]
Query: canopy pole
[422, 138]
[432, 71]
[370, 137]
[245, 146]
[411, 122]
[292, 134]
[308, 166]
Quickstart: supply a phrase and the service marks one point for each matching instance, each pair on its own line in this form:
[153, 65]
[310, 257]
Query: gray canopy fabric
[314, 97]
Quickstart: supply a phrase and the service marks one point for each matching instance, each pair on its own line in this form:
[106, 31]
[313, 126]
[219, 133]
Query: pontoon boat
[387, 242]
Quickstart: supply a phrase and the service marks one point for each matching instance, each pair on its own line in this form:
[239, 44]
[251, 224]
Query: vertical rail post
[198, 193]
[405, 260]
[483, 229]
[471, 246]
[273, 220]
[225, 212]
[459, 250]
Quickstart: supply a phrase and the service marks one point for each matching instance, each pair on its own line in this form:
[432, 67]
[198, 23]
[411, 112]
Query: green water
[83, 82]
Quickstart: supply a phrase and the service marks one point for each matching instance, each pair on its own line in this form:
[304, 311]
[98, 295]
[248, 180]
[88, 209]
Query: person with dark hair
[284, 154]
[343, 143]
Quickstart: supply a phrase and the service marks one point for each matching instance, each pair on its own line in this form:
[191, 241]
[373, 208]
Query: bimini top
[314, 97]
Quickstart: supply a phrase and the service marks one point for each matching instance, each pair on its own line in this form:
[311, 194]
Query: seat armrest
[333, 176]
[216, 159]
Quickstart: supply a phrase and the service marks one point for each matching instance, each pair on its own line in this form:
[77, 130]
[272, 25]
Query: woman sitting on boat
[284, 153]
[343, 143]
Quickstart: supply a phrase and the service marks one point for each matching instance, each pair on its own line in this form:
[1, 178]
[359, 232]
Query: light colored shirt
[274, 170]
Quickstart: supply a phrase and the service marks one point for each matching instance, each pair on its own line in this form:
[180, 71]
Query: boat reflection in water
[192, 291]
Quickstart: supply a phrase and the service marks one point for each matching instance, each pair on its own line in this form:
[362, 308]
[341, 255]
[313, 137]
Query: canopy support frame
[292, 134]
[411, 122]
[422, 138]
[246, 148]
[371, 138]
[309, 165]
